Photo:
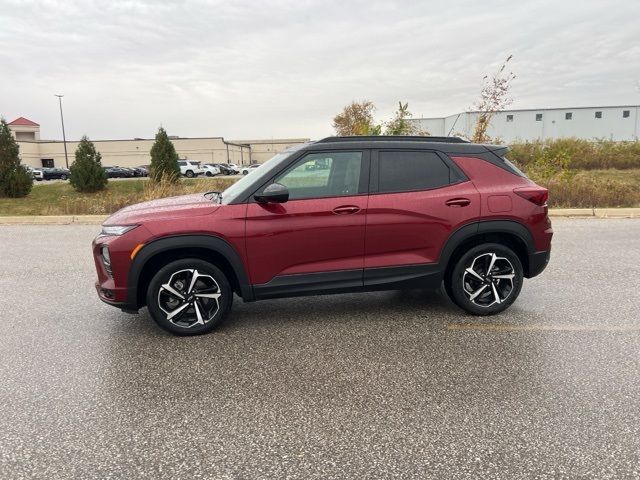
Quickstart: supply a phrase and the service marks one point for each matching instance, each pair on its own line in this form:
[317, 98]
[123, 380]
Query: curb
[98, 219]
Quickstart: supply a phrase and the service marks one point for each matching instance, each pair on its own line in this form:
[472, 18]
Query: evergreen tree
[15, 179]
[87, 174]
[164, 159]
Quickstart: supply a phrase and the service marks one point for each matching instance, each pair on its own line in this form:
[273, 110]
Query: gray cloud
[284, 68]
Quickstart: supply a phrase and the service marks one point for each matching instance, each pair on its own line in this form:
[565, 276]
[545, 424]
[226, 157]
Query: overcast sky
[285, 68]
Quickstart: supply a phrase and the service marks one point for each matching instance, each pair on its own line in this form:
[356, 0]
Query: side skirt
[426, 276]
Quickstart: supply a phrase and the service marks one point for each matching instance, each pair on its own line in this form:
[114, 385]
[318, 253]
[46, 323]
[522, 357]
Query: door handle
[457, 202]
[346, 210]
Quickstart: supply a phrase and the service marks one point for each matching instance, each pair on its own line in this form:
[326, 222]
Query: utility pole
[64, 137]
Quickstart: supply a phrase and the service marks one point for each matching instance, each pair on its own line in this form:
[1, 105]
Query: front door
[315, 240]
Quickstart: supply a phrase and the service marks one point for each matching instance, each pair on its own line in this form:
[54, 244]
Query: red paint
[329, 234]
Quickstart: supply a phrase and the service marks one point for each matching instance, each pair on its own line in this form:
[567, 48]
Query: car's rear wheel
[209, 174]
[486, 280]
[63, 177]
[189, 297]
[189, 174]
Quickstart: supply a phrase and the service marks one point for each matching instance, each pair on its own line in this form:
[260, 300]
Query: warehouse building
[616, 123]
[36, 152]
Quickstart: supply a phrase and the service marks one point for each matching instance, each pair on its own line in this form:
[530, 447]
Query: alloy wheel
[189, 298]
[488, 280]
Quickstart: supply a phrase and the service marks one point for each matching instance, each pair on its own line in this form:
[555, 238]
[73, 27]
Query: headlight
[112, 230]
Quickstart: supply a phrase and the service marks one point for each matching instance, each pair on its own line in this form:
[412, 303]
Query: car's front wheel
[189, 297]
[189, 174]
[486, 280]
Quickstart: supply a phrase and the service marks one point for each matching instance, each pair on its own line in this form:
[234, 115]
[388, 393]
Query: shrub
[581, 154]
[18, 183]
[87, 174]
[15, 180]
[164, 159]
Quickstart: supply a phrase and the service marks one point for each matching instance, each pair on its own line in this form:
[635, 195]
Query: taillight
[537, 195]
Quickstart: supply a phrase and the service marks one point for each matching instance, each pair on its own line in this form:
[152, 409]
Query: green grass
[61, 199]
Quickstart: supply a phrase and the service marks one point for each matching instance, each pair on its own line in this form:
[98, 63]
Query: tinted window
[403, 171]
[325, 174]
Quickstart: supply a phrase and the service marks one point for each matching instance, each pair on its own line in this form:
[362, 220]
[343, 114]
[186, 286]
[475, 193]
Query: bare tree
[356, 119]
[494, 97]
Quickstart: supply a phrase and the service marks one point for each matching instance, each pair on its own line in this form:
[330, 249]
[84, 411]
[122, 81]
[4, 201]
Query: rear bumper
[537, 263]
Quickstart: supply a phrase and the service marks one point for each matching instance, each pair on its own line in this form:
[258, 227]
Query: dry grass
[580, 154]
[586, 190]
[61, 199]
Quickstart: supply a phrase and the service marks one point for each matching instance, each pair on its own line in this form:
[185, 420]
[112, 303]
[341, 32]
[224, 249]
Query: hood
[171, 207]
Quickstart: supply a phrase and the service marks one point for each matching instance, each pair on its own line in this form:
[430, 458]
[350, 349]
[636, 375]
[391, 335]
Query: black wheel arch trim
[470, 230]
[176, 242]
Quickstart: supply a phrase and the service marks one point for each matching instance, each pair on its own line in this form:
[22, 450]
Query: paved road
[375, 385]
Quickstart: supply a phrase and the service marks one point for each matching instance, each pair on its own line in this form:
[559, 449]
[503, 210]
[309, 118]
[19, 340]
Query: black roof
[391, 138]
[444, 144]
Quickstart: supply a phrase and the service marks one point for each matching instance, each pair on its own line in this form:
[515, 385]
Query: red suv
[382, 213]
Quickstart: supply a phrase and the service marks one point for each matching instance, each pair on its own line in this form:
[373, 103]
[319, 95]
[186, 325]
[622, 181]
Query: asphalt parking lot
[376, 385]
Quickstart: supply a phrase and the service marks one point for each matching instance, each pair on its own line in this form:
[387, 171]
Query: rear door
[318, 235]
[417, 199]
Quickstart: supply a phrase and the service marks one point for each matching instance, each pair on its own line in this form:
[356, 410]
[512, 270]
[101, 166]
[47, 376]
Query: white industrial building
[590, 123]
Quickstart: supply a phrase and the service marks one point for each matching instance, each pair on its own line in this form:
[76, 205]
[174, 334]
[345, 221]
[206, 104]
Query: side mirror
[274, 193]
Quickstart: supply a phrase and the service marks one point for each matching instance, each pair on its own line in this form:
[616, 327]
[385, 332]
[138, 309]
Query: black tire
[161, 303]
[461, 285]
[188, 174]
[209, 174]
[63, 177]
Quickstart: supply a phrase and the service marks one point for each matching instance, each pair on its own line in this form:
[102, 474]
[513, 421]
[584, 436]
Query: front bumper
[538, 261]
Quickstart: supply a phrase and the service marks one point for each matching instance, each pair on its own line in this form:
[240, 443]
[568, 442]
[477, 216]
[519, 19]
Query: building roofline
[546, 109]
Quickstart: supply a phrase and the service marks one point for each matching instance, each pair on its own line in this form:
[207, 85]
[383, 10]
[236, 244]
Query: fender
[208, 242]
[489, 226]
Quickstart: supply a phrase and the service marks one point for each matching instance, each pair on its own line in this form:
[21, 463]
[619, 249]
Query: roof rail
[387, 138]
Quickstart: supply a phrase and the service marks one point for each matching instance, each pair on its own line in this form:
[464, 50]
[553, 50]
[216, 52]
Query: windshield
[231, 193]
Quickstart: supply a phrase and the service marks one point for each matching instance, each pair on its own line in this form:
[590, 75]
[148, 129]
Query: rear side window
[402, 171]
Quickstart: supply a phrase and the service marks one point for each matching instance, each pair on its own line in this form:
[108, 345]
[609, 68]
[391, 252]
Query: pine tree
[164, 159]
[87, 174]
[15, 180]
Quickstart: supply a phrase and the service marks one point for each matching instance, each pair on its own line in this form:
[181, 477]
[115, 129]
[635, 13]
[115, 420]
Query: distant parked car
[234, 167]
[190, 169]
[247, 169]
[144, 170]
[50, 174]
[223, 167]
[118, 172]
[210, 170]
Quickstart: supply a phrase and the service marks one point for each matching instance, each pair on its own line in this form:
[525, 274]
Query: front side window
[402, 171]
[324, 174]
